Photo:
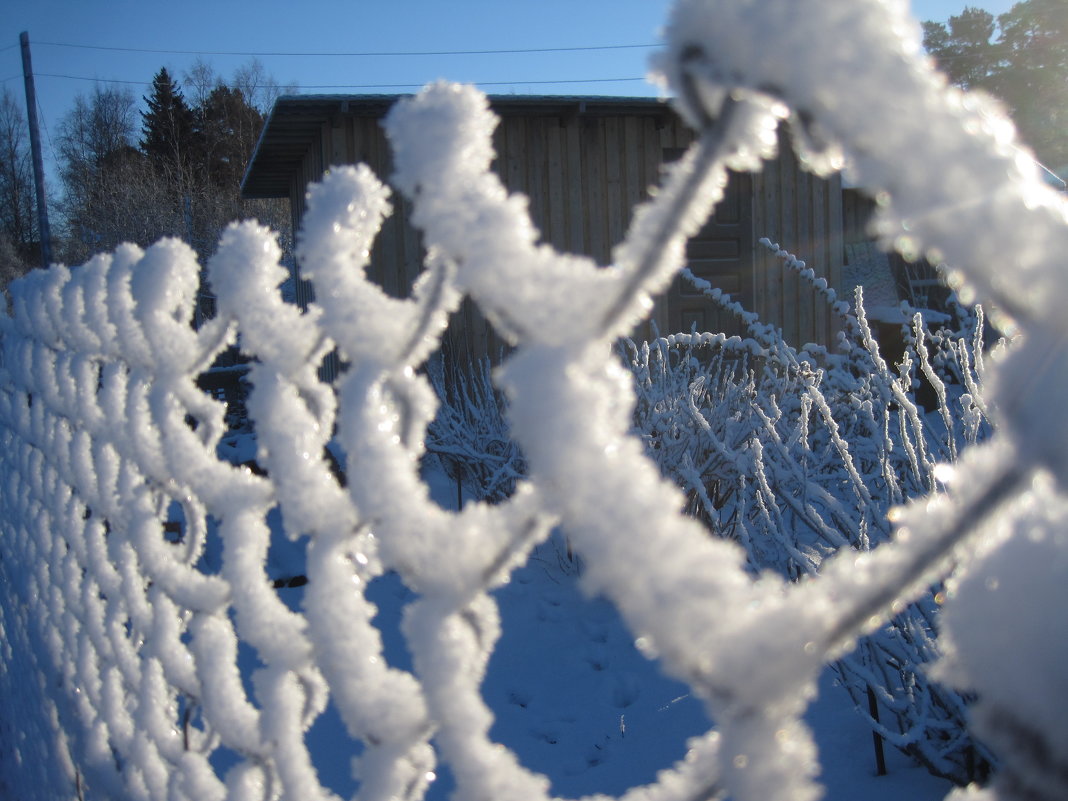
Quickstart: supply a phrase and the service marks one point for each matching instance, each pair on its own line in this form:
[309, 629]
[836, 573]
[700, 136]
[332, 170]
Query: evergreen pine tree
[964, 48]
[1035, 84]
[1022, 59]
[169, 134]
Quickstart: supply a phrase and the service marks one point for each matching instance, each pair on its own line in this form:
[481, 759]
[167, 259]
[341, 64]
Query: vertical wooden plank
[515, 176]
[652, 157]
[594, 187]
[858, 209]
[350, 140]
[331, 154]
[574, 179]
[297, 186]
[320, 154]
[669, 139]
[770, 201]
[324, 146]
[821, 257]
[747, 240]
[338, 152]
[500, 137]
[358, 146]
[499, 142]
[367, 147]
[614, 194]
[401, 244]
[760, 227]
[387, 256]
[820, 231]
[556, 189]
[312, 168]
[392, 270]
[836, 248]
[409, 239]
[788, 196]
[847, 215]
[806, 240]
[536, 157]
[666, 135]
[413, 253]
[633, 167]
[633, 192]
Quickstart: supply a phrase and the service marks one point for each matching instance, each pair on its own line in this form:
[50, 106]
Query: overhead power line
[363, 54]
[360, 85]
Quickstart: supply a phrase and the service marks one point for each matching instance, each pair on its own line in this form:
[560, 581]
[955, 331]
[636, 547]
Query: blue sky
[216, 27]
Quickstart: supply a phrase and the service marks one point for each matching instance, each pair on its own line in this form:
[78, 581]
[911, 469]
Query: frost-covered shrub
[469, 435]
[797, 456]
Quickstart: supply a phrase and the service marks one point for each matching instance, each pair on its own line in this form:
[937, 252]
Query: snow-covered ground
[577, 701]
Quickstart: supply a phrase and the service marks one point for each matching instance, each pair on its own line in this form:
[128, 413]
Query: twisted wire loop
[133, 634]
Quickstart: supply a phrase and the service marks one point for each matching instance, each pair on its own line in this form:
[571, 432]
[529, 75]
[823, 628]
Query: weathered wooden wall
[583, 174]
[857, 210]
[803, 214]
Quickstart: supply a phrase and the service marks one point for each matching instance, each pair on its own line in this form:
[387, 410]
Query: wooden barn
[584, 162]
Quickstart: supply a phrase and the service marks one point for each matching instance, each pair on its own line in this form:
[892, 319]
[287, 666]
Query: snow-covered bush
[469, 435]
[799, 455]
[120, 648]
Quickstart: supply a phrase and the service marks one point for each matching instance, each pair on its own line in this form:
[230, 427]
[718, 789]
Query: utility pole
[43, 230]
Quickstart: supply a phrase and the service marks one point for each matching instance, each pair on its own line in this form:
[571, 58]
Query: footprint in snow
[550, 736]
[519, 698]
[625, 690]
[597, 754]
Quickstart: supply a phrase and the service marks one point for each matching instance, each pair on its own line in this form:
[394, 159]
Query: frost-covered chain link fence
[126, 650]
